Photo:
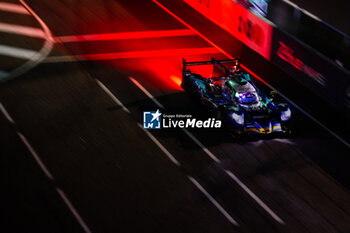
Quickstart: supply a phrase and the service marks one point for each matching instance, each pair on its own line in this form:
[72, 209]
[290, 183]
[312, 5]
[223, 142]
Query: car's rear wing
[213, 61]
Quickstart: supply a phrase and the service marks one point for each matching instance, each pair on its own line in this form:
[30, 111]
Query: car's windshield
[247, 97]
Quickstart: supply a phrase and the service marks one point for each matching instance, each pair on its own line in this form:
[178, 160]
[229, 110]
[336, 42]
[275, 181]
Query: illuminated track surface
[120, 178]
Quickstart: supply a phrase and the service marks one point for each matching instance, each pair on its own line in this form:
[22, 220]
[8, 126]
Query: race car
[231, 95]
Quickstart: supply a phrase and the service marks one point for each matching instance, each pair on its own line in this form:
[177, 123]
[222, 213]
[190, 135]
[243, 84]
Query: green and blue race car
[232, 96]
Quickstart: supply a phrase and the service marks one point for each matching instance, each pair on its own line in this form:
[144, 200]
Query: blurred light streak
[149, 95]
[126, 35]
[22, 30]
[176, 80]
[207, 71]
[148, 54]
[3, 74]
[192, 28]
[18, 52]
[160, 73]
[209, 41]
[14, 8]
[133, 55]
[284, 141]
[302, 10]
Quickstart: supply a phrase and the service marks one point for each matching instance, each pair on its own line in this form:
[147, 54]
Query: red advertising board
[240, 22]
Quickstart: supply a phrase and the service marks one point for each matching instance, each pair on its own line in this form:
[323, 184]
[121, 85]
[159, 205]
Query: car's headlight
[285, 115]
[239, 118]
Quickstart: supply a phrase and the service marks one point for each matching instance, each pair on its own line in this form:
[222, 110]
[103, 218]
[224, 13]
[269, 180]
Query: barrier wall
[244, 25]
[312, 69]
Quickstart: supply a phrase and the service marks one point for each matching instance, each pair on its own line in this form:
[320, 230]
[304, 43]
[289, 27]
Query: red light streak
[239, 22]
[149, 54]
[176, 80]
[126, 35]
[14, 8]
[210, 42]
[22, 30]
[192, 28]
[207, 71]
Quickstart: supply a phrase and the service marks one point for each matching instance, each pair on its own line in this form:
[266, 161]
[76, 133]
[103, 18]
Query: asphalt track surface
[100, 172]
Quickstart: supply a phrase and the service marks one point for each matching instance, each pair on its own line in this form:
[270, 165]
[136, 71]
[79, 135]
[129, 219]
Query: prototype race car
[232, 96]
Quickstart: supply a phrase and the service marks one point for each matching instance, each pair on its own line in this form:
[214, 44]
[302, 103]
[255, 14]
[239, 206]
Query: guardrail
[311, 68]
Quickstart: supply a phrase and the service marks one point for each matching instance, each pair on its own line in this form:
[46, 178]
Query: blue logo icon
[151, 120]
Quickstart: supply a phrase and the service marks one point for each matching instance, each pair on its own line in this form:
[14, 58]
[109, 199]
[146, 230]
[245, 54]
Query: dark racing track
[75, 159]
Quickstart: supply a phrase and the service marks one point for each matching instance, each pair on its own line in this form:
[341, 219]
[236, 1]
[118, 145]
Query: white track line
[6, 114]
[256, 198]
[302, 10]
[46, 172]
[73, 210]
[36, 157]
[208, 152]
[212, 156]
[26, 143]
[261, 80]
[13, 8]
[40, 55]
[22, 30]
[212, 200]
[146, 92]
[110, 94]
[166, 152]
[177, 163]
[115, 99]
[10, 51]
